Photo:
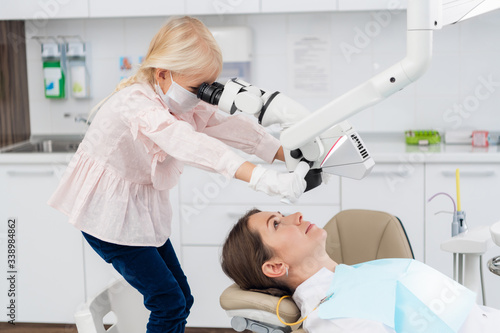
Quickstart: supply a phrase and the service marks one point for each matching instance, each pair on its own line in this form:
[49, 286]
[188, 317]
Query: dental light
[324, 137]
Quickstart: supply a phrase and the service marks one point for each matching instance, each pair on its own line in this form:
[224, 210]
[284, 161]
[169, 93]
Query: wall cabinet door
[479, 191]
[372, 4]
[222, 7]
[49, 278]
[130, 8]
[43, 10]
[284, 6]
[394, 188]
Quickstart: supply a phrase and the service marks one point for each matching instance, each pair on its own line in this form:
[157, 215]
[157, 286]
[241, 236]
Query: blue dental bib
[403, 294]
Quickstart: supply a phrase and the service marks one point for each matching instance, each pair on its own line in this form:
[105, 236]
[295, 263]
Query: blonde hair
[183, 45]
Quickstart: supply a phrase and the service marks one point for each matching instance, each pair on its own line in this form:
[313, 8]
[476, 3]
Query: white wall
[452, 94]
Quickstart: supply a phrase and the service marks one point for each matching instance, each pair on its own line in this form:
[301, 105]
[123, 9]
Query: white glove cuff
[257, 173]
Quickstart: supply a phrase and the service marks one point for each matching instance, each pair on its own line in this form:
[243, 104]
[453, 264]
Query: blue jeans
[157, 274]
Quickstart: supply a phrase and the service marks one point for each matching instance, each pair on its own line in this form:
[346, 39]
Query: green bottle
[54, 79]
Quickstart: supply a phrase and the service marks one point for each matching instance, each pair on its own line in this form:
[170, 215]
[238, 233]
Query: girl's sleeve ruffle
[146, 122]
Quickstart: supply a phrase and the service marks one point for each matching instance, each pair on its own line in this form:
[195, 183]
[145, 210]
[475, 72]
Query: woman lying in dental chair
[286, 255]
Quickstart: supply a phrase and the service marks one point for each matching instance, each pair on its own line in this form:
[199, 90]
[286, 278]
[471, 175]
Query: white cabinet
[130, 8]
[372, 4]
[49, 264]
[210, 206]
[40, 11]
[222, 7]
[284, 6]
[393, 188]
[480, 190]
[207, 281]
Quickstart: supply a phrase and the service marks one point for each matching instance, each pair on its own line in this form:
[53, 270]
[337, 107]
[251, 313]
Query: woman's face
[290, 237]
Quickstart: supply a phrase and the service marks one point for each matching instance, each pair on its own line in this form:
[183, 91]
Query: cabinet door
[284, 6]
[42, 10]
[207, 282]
[49, 267]
[396, 189]
[372, 4]
[221, 7]
[130, 8]
[479, 192]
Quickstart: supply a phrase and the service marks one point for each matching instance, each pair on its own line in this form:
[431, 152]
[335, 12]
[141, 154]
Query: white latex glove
[289, 186]
[326, 177]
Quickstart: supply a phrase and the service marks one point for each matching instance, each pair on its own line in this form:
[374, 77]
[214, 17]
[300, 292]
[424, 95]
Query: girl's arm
[244, 172]
[280, 155]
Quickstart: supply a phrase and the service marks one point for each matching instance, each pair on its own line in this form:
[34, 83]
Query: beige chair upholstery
[357, 235]
[353, 236]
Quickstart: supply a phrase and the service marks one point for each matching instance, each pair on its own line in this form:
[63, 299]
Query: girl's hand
[288, 185]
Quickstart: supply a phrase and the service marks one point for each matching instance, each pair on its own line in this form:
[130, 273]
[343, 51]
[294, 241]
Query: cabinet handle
[403, 174]
[30, 173]
[486, 173]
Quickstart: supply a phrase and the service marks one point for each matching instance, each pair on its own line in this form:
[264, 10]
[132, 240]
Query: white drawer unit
[48, 250]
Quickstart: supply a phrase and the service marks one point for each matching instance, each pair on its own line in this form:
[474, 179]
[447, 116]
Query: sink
[45, 145]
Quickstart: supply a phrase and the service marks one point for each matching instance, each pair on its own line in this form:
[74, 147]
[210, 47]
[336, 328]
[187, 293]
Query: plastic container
[422, 137]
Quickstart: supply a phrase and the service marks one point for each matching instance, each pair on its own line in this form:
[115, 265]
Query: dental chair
[353, 236]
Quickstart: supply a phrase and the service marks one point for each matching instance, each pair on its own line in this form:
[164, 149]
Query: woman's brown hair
[243, 255]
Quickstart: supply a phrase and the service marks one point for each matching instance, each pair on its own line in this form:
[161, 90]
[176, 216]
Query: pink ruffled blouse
[116, 186]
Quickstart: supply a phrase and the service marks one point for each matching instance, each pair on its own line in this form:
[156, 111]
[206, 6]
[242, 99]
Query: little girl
[116, 187]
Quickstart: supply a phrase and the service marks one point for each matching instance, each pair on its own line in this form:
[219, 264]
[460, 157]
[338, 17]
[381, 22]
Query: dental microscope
[338, 150]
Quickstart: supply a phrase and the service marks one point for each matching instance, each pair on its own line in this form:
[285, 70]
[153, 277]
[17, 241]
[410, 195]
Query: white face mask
[178, 99]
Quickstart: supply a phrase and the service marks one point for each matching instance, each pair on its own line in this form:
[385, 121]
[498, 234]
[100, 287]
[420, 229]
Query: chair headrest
[235, 298]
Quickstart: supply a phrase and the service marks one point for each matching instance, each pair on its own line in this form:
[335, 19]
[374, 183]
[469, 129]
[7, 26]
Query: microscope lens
[210, 93]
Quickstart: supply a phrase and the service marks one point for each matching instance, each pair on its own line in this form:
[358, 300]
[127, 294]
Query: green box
[422, 137]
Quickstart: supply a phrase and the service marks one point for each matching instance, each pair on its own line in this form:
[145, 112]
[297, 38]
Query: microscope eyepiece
[210, 93]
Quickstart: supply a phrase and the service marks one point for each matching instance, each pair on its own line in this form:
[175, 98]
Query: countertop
[391, 148]
[383, 147]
